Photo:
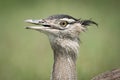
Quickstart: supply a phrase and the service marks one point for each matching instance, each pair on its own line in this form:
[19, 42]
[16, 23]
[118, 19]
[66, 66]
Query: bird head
[63, 26]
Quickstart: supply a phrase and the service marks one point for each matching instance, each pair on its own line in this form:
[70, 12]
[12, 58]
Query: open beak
[41, 25]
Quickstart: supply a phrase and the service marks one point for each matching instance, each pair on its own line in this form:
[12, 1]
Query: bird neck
[65, 53]
[64, 67]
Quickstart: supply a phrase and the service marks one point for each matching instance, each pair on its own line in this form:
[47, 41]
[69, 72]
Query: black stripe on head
[61, 16]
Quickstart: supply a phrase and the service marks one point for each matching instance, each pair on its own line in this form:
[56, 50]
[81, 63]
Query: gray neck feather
[65, 55]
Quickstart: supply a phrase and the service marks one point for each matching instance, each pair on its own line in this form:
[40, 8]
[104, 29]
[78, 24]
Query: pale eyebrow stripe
[69, 20]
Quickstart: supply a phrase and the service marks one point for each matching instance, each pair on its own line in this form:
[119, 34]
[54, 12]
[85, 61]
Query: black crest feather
[88, 22]
[60, 16]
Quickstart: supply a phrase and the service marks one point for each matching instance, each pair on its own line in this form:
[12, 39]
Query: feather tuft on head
[88, 22]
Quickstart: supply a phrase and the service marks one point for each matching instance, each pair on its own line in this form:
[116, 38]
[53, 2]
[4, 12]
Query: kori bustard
[63, 32]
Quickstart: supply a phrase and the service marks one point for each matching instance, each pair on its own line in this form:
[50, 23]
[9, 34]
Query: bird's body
[63, 33]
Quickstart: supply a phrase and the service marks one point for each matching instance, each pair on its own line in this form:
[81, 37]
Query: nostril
[42, 21]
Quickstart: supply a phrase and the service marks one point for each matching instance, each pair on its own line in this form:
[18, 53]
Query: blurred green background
[26, 54]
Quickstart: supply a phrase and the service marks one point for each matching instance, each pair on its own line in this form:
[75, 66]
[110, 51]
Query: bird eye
[63, 23]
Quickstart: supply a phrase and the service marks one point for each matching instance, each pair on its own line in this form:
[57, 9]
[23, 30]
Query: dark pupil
[63, 23]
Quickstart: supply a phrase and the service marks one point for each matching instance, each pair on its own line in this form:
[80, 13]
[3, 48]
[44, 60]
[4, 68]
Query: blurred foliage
[26, 54]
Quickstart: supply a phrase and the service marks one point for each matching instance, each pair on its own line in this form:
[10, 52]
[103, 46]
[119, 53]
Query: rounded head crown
[61, 16]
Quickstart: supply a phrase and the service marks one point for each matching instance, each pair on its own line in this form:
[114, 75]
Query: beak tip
[28, 20]
[27, 28]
